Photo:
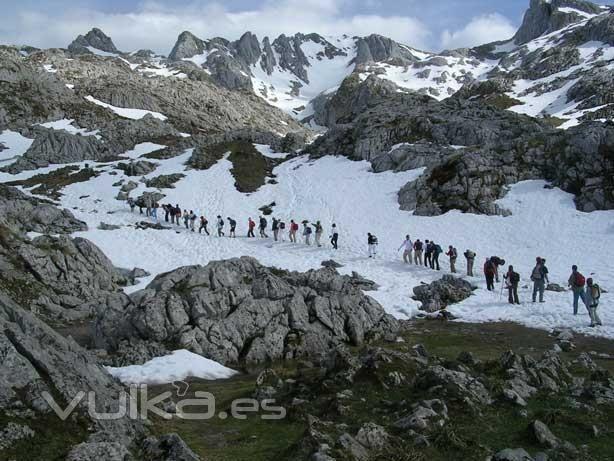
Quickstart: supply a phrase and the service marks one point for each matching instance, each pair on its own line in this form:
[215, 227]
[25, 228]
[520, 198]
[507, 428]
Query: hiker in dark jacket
[576, 282]
[131, 204]
[178, 215]
[262, 227]
[436, 252]
[512, 279]
[372, 245]
[334, 237]
[418, 250]
[233, 227]
[203, 225]
[428, 254]
[489, 273]
[539, 277]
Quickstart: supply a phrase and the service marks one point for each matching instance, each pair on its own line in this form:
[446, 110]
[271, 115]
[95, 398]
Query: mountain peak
[186, 46]
[95, 38]
[545, 16]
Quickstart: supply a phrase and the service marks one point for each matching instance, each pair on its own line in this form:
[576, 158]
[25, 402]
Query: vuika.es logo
[136, 404]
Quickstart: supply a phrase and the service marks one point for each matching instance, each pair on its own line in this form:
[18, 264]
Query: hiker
[148, 205]
[428, 253]
[470, 257]
[171, 212]
[497, 262]
[154, 211]
[233, 227]
[489, 273]
[407, 246]
[282, 230]
[372, 243]
[435, 259]
[203, 225]
[319, 230]
[192, 220]
[512, 279]
[576, 282]
[251, 224]
[220, 226]
[307, 233]
[539, 276]
[293, 230]
[186, 219]
[167, 212]
[262, 227]
[452, 254]
[334, 238]
[275, 228]
[131, 204]
[178, 215]
[418, 249]
[593, 293]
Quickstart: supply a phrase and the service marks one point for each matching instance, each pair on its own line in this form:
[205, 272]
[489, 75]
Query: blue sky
[135, 24]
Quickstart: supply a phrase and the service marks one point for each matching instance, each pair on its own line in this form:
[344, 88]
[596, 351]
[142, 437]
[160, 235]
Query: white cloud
[481, 29]
[156, 26]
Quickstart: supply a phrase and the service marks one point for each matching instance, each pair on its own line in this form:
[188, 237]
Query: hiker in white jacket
[407, 246]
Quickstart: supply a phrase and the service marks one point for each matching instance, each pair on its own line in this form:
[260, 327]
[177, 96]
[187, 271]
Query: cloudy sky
[134, 24]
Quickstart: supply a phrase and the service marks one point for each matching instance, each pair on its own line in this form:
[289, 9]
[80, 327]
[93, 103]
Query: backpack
[308, 230]
[595, 292]
[438, 249]
[282, 225]
[418, 246]
[515, 277]
[374, 240]
[221, 223]
[232, 222]
[579, 281]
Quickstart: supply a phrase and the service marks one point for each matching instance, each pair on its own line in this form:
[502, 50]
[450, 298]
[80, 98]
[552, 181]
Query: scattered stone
[517, 454]
[555, 287]
[151, 225]
[331, 263]
[543, 435]
[13, 433]
[105, 226]
[441, 293]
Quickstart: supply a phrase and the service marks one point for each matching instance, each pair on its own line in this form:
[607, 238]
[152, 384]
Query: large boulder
[240, 311]
[441, 293]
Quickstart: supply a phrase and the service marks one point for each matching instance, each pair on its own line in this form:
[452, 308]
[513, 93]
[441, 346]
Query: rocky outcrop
[36, 359]
[95, 38]
[239, 311]
[441, 293]
[53, 146]
[544, 16]
[21, 213]
[376, 48]
[186, 46]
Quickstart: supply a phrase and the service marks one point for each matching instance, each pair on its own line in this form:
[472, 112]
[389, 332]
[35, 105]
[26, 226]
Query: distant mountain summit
[94, 40]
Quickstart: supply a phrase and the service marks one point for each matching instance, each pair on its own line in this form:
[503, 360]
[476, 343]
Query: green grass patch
[50, 184]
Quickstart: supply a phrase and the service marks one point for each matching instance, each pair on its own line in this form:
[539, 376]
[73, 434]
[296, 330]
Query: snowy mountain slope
[334, 189]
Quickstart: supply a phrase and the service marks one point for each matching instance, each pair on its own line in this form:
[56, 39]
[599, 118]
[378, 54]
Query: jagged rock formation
[471, 150]
[545, 16]
[95, 38]
[239, 311]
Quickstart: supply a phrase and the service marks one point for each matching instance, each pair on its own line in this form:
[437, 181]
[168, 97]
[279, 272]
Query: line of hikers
[414, 252]
[175, 215]
[585, 289]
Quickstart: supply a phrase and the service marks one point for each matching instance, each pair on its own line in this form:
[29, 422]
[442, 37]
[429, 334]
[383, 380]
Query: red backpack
[580, 280]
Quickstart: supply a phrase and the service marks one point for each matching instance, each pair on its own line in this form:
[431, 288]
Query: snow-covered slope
[334, 189]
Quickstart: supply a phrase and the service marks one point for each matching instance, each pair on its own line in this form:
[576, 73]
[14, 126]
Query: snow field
[333, 189]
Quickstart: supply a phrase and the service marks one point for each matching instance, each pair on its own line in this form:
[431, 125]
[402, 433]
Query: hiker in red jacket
[293, 230]
[489, 273]
[251, 224]
[576, 282]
